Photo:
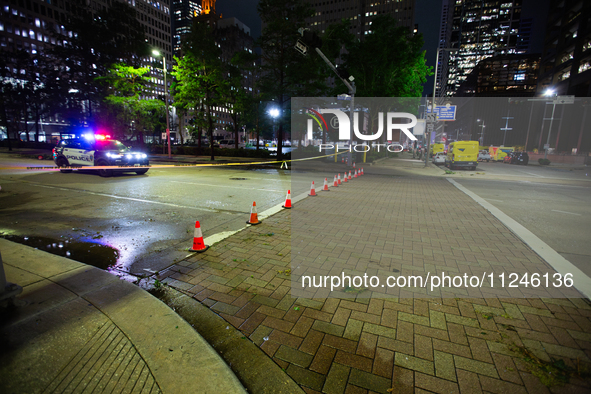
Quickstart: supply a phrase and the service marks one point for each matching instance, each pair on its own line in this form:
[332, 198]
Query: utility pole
[310, 38]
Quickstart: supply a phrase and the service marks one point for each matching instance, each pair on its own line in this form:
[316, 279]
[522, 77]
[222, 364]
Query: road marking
[570, 213]
[549, 255]
[227, 187]
[215, 238]
[491, 199]
[125, 198]
[536, 175]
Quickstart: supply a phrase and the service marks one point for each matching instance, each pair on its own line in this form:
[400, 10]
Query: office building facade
[477, 30]
[566, 58]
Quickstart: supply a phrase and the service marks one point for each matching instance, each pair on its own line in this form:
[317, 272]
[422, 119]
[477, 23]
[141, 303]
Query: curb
[255, 369]
[177, 356]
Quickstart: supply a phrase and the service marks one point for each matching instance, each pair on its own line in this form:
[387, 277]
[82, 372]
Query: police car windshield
[110, 145]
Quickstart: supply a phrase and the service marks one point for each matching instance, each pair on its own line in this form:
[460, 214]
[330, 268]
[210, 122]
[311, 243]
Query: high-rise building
[479, 30]
[566, 58]
[503, 76]
[34, 26]
[445, 30]
[232, 36]
[524, 35]
[183, 13]
[360, 13]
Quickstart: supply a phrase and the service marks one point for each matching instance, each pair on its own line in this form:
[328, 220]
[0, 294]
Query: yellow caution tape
[133, 168]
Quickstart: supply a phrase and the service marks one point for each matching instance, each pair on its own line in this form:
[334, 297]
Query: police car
[99, 150]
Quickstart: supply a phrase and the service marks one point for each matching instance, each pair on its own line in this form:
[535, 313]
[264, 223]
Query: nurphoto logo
[342, 121]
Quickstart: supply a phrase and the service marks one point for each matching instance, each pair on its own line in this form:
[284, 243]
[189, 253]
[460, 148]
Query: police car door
[81, 154]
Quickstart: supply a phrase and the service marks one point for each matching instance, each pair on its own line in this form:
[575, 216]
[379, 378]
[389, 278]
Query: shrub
[544, 162]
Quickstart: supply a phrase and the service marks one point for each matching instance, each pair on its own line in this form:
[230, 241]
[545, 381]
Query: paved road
[146, 218]
[552, 202]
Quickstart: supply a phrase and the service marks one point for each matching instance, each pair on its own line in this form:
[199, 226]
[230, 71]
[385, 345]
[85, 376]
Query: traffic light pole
[351, 87]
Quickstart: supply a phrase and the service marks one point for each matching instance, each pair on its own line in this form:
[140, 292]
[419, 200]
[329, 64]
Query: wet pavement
[76, 328]
[366, 342]
[370, 342]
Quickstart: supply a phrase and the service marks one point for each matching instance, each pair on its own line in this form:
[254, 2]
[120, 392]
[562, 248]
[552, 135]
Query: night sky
[427, 16]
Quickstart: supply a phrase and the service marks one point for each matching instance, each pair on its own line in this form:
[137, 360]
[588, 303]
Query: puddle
[94, 254]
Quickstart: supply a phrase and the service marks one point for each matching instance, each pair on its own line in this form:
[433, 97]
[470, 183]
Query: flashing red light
[101, 137]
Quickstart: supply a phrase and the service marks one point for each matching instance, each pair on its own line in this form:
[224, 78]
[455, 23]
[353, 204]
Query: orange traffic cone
[349, 174]
[355, 175]
[334, 183]
[312, 190]
[339, 179]
[198, 243]
[363, 173]
[325, 187]
[254, 219]
[342, 160]
[287, 204]
[353, 164]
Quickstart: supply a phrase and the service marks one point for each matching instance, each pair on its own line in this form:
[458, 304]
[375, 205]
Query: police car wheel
[104, 172]
[61, 162]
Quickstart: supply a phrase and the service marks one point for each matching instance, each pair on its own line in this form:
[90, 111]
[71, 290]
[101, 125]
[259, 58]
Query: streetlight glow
[274, 112]
[549, 92]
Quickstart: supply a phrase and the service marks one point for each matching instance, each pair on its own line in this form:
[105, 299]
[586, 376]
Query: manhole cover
[238, 179]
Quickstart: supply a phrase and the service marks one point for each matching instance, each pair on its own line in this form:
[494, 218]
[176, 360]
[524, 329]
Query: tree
[28, 94]
[282, 72]
[235, 96]
[199, 77]
[124, 104]
[388, 62]
[113, 35]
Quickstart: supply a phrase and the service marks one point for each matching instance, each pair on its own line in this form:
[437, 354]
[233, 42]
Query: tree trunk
[236, 136]
[36, 124]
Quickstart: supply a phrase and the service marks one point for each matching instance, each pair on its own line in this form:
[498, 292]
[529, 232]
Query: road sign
[431, 117]
[445, 112]
[163, 135]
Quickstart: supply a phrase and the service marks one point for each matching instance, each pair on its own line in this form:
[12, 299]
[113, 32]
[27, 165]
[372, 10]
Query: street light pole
[433, 104]
[157, 53]
[481, 132]
[550, 129]
[166, 106]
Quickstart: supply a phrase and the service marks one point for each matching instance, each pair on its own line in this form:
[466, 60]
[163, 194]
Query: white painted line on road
[536, 175]
[555, 260]
[570, 213]
[227, 187]
[125, 198]
[490, 199]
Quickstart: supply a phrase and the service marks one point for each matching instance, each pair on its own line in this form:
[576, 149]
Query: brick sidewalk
[367, 343]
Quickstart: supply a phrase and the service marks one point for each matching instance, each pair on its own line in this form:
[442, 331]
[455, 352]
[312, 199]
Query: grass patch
[553, 373]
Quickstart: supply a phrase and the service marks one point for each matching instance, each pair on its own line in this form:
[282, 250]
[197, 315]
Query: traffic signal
[309, 39]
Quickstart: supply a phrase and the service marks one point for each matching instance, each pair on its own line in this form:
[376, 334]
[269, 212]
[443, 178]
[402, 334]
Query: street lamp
[434, 104]
[547, 93]
[482, 132]
[157, 53]
[274, 112]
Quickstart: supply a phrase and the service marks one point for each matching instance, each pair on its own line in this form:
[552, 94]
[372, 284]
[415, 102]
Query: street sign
[445, 112]
[431, 118]
[163, 135]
